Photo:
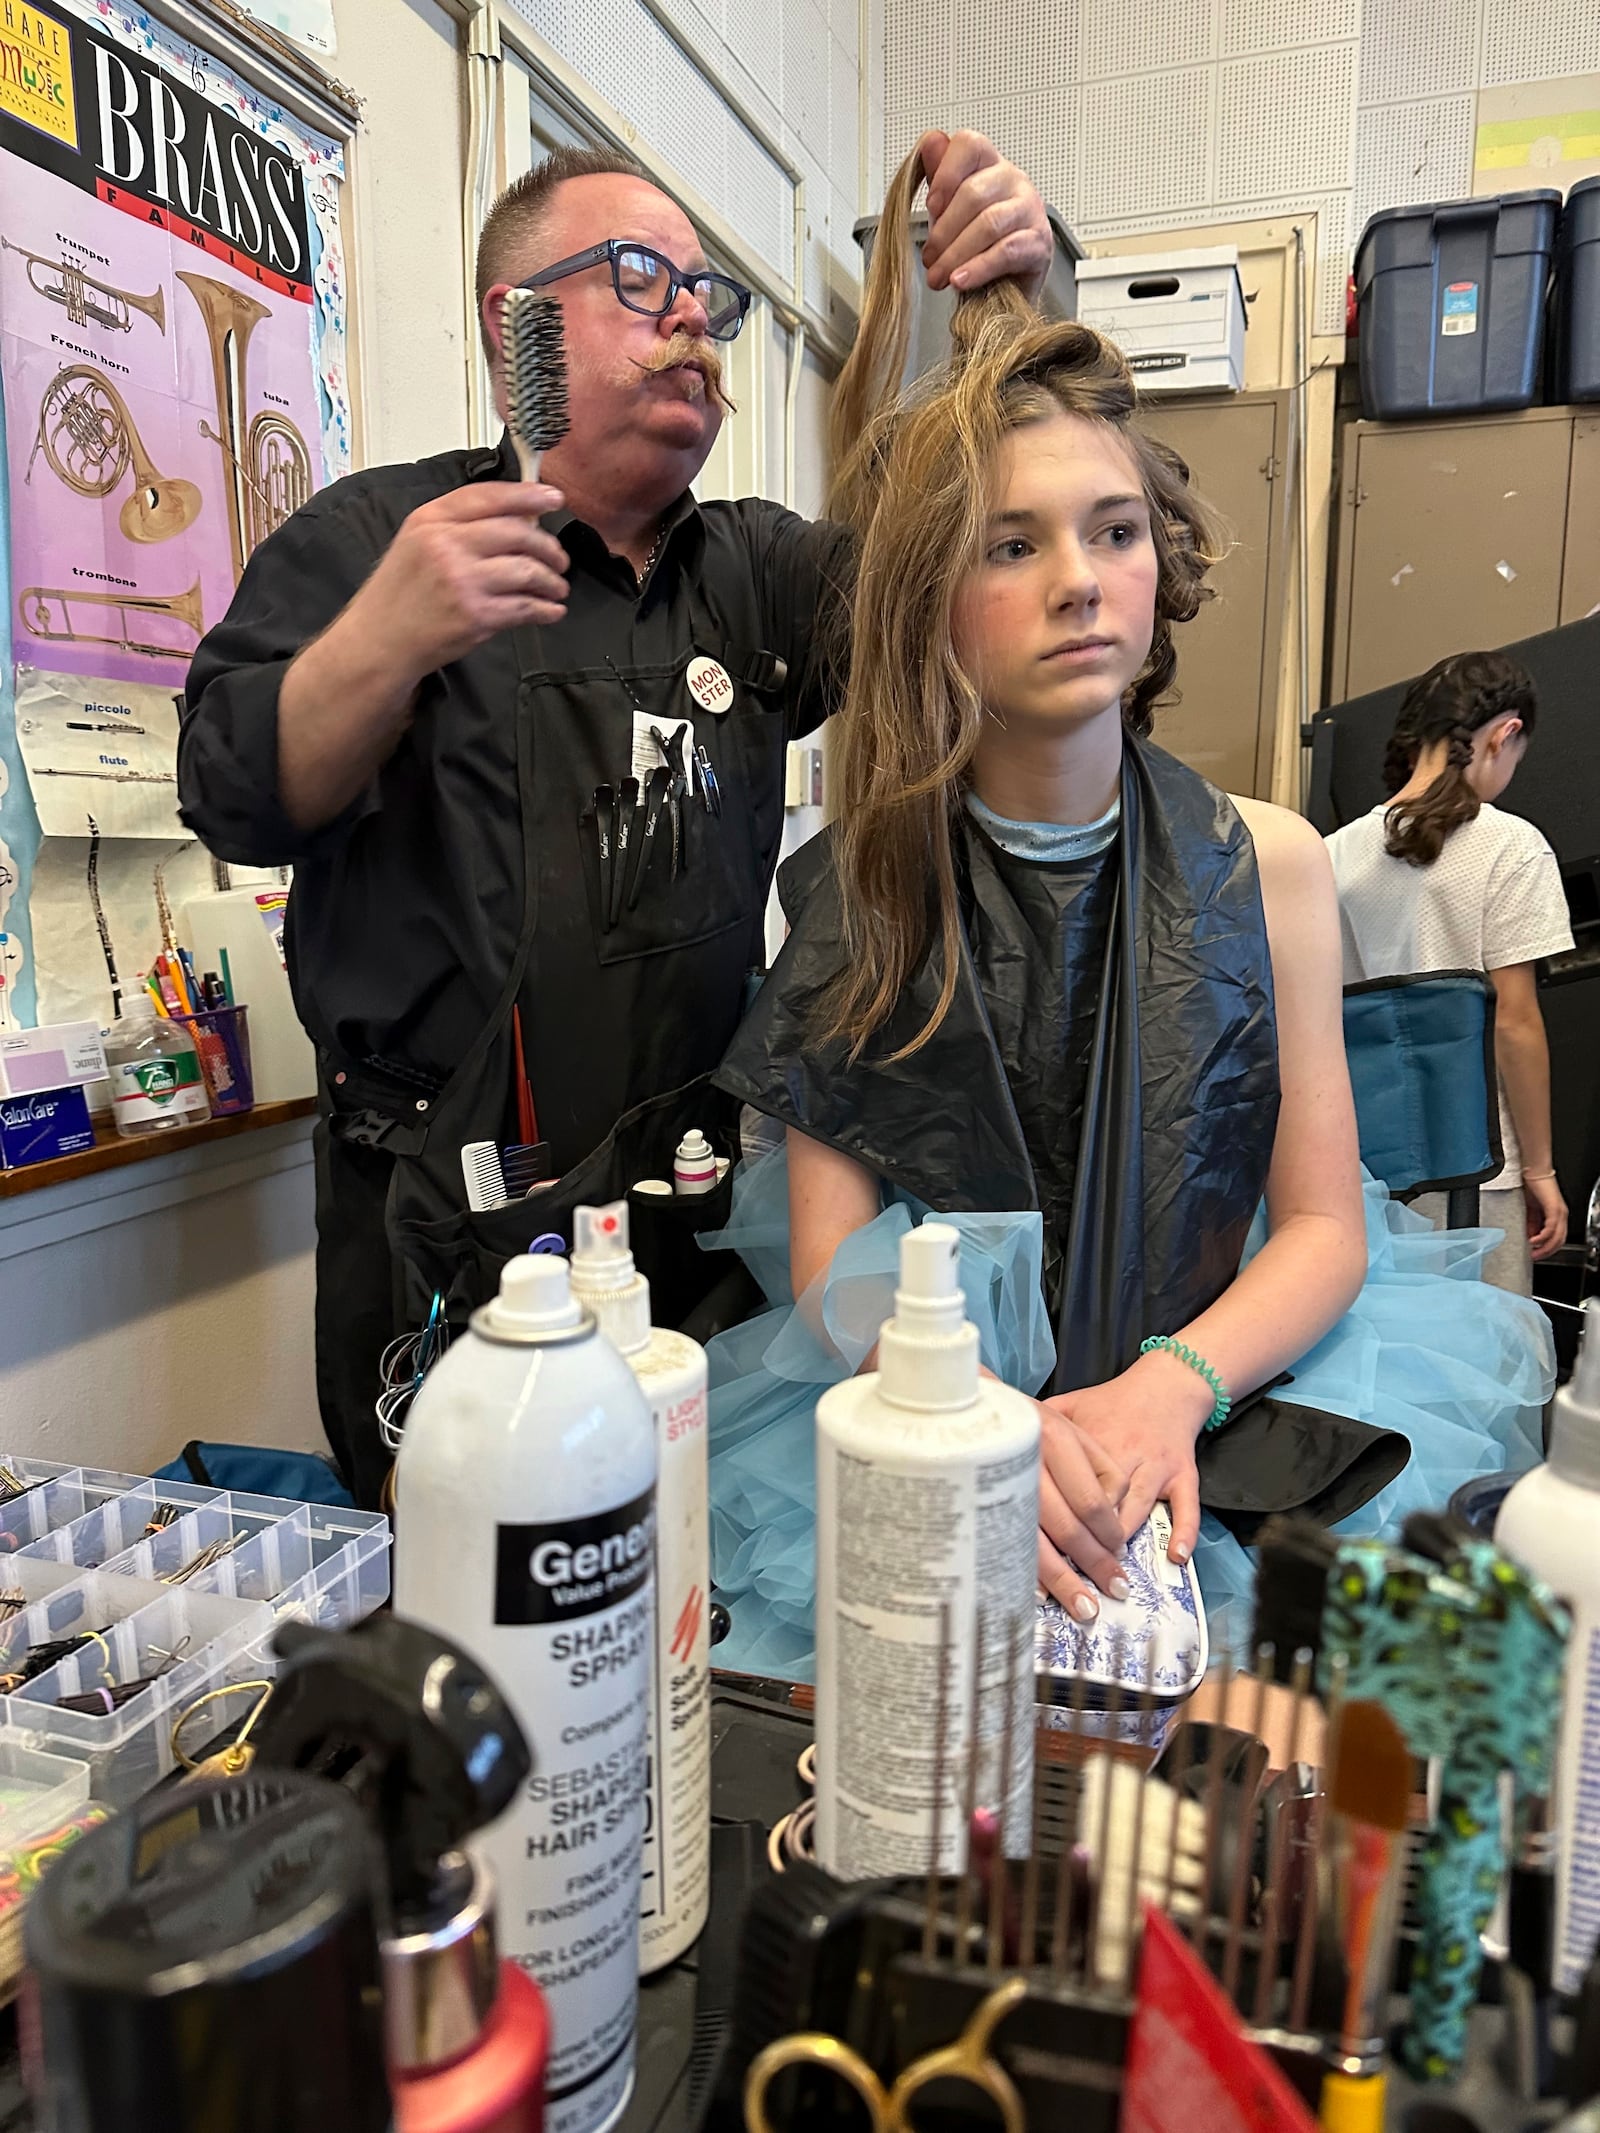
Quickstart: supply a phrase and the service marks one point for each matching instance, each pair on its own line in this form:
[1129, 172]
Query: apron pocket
[462, 1255]
[637, 907]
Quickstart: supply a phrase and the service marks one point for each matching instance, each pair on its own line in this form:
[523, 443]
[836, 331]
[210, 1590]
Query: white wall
[164, 1301]
[1202, 111]
[405, 239]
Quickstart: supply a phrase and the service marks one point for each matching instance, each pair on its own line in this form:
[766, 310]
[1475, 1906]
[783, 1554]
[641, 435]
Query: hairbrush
[535, 359]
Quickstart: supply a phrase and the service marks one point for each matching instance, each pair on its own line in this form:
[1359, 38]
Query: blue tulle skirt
[1462, 1370]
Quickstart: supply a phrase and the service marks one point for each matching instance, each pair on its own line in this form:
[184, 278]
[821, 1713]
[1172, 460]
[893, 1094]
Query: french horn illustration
[89, 441]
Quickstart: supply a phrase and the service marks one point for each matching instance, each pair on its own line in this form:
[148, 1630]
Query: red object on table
[497, 2086]
[1191, 2068]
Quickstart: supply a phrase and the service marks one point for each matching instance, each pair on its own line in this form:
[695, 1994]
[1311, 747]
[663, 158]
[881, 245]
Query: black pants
[356, 1314]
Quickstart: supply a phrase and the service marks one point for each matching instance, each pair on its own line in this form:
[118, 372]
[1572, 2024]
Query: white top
[1493, 897]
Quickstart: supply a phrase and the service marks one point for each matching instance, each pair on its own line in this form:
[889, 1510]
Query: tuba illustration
[89, 441]
[85, 298]
[266, 466]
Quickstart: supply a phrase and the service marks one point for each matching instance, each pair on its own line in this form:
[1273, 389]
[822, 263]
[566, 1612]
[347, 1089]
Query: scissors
[890, 2109]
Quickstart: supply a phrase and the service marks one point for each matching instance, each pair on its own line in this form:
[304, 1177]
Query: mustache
[681, 353]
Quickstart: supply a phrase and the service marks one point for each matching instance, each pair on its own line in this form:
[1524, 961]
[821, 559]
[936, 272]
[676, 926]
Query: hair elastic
[1185, 1354]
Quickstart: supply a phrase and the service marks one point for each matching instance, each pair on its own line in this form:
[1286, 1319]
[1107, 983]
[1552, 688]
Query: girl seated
[1043, 979]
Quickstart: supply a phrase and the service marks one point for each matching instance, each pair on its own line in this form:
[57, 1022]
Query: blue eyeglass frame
[612, 250]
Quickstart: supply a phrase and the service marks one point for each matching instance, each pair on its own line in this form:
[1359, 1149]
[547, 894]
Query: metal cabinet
[1228, 657]
[1455, 535]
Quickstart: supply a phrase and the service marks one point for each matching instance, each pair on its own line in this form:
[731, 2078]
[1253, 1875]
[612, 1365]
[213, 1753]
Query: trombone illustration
[46, 612]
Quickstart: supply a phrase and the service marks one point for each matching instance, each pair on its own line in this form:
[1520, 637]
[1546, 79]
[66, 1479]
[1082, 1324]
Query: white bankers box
[1178, 317]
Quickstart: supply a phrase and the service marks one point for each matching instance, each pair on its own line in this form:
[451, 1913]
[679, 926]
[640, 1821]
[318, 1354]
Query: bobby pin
[204, 1560]
[13, 1486]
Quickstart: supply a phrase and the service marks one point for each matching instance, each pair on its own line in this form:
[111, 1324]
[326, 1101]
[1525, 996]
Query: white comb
[486, 1185]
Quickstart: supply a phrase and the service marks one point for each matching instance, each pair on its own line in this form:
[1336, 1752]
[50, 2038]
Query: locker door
[1458, 537]
[1228, 656]
[1580, 576]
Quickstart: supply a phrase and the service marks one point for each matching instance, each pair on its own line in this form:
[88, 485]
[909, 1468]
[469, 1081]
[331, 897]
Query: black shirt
[407, 911]
[1038, 932]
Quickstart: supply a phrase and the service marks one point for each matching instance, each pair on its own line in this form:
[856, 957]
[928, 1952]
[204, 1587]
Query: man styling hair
[441, 690]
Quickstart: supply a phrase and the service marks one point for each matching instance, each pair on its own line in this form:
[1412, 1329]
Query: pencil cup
[222, 1039]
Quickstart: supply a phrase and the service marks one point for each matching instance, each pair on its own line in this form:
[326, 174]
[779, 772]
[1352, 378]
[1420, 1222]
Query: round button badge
[710, 685]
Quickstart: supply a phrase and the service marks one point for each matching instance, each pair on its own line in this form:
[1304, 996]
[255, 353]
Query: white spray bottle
[525, 1519]
[1550, 1523]
[675, 1892]
[927, 1521]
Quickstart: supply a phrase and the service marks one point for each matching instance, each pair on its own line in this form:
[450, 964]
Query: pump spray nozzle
[928, 1351]
[421, 1737]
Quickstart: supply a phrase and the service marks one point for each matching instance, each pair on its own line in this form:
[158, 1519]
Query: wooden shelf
[112, 1152]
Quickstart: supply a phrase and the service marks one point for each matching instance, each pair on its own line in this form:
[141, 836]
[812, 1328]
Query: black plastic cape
[1179, 1111]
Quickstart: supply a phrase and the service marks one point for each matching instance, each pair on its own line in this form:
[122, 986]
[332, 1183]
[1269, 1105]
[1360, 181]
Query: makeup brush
[1369, 1794]
[536, 376]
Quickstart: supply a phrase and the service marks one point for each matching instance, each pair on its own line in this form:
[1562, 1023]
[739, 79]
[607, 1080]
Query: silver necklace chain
[655, 550]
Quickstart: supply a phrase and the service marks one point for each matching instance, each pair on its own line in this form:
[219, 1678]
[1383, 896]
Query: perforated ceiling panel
[1119, 39]
[1145, 145]
[1527, 42]
[918, 63]
[1418, 48]
[1012, 48]
[747, 28]
[631, 61]
[843, 159]
[1411, 152]
[1286, 124]
[1285, 25]
[806, 84]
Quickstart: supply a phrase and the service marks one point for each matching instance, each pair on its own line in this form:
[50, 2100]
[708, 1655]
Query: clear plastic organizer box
[184, 1588]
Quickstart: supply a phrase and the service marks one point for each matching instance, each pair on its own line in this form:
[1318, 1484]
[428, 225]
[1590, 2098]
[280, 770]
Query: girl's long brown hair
[1452, 703]
[912, 474]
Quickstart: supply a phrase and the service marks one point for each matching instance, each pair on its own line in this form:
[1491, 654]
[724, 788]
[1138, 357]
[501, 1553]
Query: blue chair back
[1421, 1052]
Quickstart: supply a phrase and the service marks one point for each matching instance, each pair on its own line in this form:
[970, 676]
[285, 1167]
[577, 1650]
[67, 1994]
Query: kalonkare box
[1178, 317]
[37, 1129]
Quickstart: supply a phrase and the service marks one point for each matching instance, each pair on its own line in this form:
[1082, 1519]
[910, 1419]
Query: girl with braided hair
[1439, 878]
[1047, 982]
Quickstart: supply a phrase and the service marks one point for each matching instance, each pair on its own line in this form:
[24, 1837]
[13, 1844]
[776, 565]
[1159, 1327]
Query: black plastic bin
[1576, 329]
[1452, 304]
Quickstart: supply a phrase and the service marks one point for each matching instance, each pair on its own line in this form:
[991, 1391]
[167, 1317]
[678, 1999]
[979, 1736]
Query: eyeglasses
[647, 281]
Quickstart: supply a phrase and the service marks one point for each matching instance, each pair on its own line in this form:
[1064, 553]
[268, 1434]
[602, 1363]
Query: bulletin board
[172, 387]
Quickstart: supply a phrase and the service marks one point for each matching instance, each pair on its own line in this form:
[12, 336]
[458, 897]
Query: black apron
[624, 1018]
[1179, 1106]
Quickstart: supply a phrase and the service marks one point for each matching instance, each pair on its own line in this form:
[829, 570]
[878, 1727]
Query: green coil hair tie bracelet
[1185, 1354]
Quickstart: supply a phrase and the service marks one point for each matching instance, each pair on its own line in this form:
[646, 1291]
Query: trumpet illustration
[46, 612]
[86, 299]
[265, 463]
[89, 441]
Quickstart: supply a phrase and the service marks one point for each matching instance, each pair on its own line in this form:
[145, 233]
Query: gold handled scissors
[890, 2109]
